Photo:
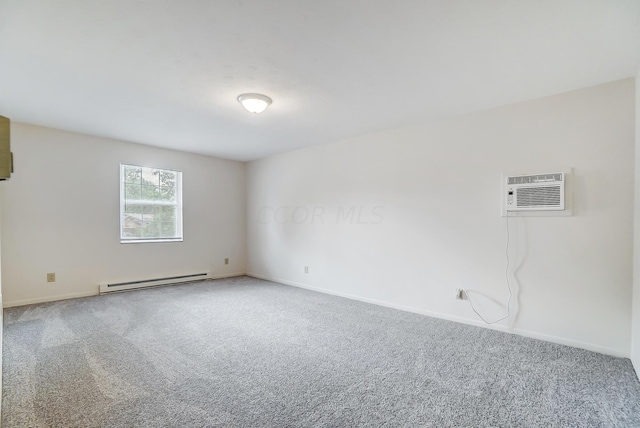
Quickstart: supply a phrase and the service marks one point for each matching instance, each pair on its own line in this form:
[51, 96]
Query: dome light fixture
[254, 103]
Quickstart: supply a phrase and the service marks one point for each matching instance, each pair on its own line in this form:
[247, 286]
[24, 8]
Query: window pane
[167, 193]
[133, 209]
[131, 232]
[168, 229]
[132, 174]
[167, 178]
[132, 221]
[150, 210]
[132, 191]
[151, 230]
[149, 193]
[150, 176]
[167, 213]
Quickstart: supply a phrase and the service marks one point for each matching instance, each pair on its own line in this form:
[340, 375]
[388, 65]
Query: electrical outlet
[459, 293]
[306, 269]
[226, 261]
[51, 277]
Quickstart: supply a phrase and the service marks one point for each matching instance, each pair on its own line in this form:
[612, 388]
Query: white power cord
[506, 275]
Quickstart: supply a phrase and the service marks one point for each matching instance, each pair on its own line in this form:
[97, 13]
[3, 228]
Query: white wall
[426, 219]
[635, 345]
[61, 214]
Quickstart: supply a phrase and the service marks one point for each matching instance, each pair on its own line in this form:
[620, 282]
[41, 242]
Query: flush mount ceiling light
[254, 103]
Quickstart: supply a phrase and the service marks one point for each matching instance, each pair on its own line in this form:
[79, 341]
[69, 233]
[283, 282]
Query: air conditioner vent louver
[539, 196]
[536, 192]
[539, 178]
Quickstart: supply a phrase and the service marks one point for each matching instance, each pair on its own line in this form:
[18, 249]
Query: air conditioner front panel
[537, 198]
[539, 192]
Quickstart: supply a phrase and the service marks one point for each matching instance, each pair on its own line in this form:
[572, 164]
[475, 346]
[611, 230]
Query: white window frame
[177, 204]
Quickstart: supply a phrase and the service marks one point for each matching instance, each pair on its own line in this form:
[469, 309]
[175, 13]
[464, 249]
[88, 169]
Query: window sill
[147, 241]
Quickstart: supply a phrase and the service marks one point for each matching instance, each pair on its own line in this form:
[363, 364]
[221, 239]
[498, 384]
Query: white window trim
[178, 204]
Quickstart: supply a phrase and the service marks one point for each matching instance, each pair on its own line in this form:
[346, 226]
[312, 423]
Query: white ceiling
[167, 72]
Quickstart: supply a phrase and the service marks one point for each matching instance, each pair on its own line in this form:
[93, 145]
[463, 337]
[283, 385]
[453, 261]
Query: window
[150, 204]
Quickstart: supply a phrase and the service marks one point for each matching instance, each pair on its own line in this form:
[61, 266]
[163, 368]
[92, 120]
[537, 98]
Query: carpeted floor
[243, 352]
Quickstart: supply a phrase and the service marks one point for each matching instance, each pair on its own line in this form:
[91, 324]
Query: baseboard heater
[170, 280]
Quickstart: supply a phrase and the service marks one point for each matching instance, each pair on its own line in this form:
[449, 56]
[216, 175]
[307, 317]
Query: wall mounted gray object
[6, 157]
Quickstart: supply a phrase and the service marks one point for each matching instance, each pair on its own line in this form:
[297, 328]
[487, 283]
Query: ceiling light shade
[254, 103]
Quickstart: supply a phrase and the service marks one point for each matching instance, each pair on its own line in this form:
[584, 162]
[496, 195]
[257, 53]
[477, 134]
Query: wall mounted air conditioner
[535, 192]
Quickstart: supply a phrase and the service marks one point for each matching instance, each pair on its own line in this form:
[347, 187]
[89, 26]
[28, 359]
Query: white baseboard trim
[54, 298]
[520, 332]
[636, 365]
[227, 275]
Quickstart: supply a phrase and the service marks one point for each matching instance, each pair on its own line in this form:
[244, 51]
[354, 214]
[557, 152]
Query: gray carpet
[243, 352]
